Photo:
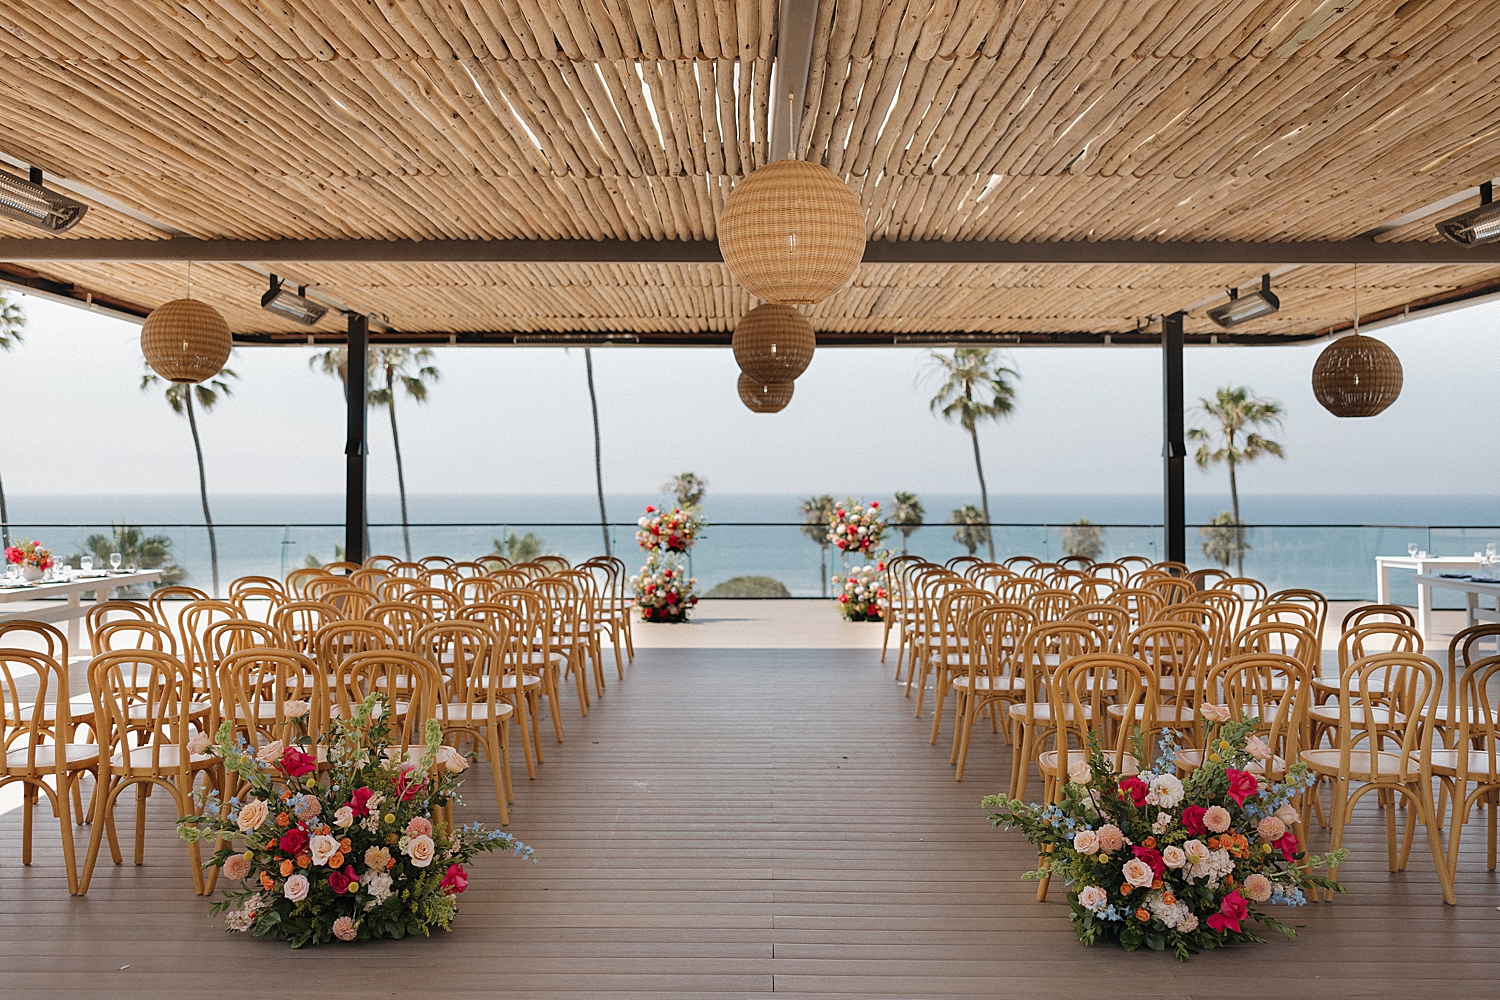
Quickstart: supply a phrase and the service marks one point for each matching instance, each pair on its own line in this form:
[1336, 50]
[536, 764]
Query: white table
[1424, 566]
[1472, 590]
[73, 590]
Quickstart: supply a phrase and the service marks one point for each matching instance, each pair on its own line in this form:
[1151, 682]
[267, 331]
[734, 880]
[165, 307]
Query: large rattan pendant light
[792, 232]
[773, 343]
[1356, 376]
[765, 397]
[186, 340]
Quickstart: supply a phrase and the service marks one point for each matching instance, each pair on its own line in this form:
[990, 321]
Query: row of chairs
[158, 679]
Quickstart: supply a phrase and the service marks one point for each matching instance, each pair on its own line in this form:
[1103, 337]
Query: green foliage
[1083, 538]
[816, 512]
[907, 516]
[518, 548]
[973, 531]
[1224, 540]
[750, 586]
[12, 322]
[136, 549]
[206, 394]
[976, 386]
[689, 488]
[388, 368]
[313, 562]
[1235, 416]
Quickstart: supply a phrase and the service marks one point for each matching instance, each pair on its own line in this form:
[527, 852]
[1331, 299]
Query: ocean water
[1325, 542]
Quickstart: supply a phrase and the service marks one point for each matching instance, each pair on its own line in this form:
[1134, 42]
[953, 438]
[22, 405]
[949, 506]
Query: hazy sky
[504, 420]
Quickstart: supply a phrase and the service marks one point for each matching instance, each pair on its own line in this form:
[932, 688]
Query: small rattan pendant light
[186, 340]
[1356, 376]
[792, 232]
[765, 397]
[773, 343]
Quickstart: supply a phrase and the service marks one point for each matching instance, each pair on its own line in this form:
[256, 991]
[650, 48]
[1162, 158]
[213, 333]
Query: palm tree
[588, 364]
[1083, 538]
[816, 513]
[12, 320]
[976, 386]
[180, 398]
[973, 528]
[1234, 417]
[689, 489]
[403, 366]
[907, 517]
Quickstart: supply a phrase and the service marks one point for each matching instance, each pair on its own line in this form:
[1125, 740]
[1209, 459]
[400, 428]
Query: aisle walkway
[726, 823]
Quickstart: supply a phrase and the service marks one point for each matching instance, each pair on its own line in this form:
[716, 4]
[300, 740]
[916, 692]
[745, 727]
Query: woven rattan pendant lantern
[773, 343]
[765, 397]
[1356, 376]
[185, 341]
[792, 232]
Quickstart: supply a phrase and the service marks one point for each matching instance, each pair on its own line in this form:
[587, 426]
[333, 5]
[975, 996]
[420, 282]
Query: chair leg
[960, 710]
[1435, 840]
[28, 808]
[142, 789]
[1392, 854]
[940, 695]
[1337, 809]
[497, 773]
[963, 747]
[522, 703]
[510, 792]
[104, 796]
[65, 792]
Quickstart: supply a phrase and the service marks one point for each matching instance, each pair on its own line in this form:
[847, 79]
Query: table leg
[1424, 610]
[1382, 583]
[74, 599]
[100, 596]
[1471, 605]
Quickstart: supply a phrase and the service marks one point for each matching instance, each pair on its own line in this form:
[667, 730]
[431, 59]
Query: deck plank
[729, 822]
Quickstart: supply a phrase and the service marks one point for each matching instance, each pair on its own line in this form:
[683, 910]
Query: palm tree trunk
[1239, 532]
[823, 568]
[208, 520]
[588, 364]
[984, 495]
[4, 519]
[390, 389]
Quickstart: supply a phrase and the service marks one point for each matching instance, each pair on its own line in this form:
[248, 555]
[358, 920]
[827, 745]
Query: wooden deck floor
[734, 822]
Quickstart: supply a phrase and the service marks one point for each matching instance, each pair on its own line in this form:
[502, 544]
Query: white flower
[1173, 857]
[1137, 873]
[296, 888]
[323, 847]
[1162, 823]
[378, 885]
[1080, 773]
[1166, 791]
[421, 851]
[343, 817]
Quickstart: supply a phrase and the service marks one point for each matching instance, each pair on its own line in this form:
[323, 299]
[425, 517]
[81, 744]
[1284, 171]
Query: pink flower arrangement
[29, 554]
[674, 530]
[863, 596]
[856, 527]
[1153, 860]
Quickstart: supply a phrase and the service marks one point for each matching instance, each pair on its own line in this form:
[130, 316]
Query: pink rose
[295, 763]
[1192, 820]
[1092, 897]
[1287, 814]
[1257, 748]
[1232, 910]
[455, 880]
[1214, 713]
[1242, 785]
[1216, 818]
[1086, 842]
[270, 753]
[199, 743]
[358, 799]
[296, 888]
[1138, 873]
[1288, 846]
[1152, 859]
[345, 929]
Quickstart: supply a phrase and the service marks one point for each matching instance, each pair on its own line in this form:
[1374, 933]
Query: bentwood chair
[143, 707]
[1110, 619]
[435, 601]
[475, 589]
[256, 684]
[1311, 598]
[1085, 689]
[299, 622]
[380, 562]
[192, 626]
[178, 596]
[37, 743]
[1178, 655]
[1142, 605]
[1032, 720]
[435, 562]
[404, 619]
[297, 580]
[520, 688]
[414, 678]
[470, 703]
[996, 634]
[1116, 573]
[1252, 592]
[368, 578]
[255, 586]
[525, 614]
[1388, 753]
[341, 568]
[564, 610]
[101, 613]
[352, 602]
[1474, 758]
[338, 640]
[1205, 579]
[395, 588]
[953, 654]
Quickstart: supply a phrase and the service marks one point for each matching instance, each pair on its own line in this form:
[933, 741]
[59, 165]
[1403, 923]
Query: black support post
[355, 449]
[1174, 450]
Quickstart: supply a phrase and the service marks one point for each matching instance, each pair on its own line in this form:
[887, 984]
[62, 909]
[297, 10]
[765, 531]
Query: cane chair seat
[995, 685]
[43, 758]
[1388, 764]
[1359, 716]
[1047, 762]
[477, 711]
[1482, 765]
[1042, 712]
[168, 757]
[1171, 714]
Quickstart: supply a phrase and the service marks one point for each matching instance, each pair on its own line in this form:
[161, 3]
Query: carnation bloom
[1258, 887]
[421, 851]
[323, 847]
[1110, 838]
[345, 929]
[1216, 818]
[236, 866]
[377, 859]
[308, 808]
[296, 888]
[1138, 873]
[420, 826]
[1086, 842]
[1270, 829]
[1173, 857]
[252, 814]
[1092, 897]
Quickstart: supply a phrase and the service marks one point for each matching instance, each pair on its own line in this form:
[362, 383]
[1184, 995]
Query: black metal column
[1174, 450]
[355, 449]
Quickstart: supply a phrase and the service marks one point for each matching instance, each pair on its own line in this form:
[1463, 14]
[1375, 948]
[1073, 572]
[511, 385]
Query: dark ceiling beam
[796, 22]
[506, 338]
[1355, 251]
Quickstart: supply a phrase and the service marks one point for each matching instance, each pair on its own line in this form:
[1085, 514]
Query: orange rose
[336, 860]
[1168, 898]
[390, 864]
[303, 861]
[390, 838]
[1156, 884]
[282, 819]
[1149, 842]
[266, 882]
[1125, 889]
[1143, 914]
[286, 867]
[345, 846]
[1213, 843]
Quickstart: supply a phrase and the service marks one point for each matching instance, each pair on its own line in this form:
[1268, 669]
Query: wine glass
[1411, 549]
[114, 561]
[86, 563]
[1489, 550]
